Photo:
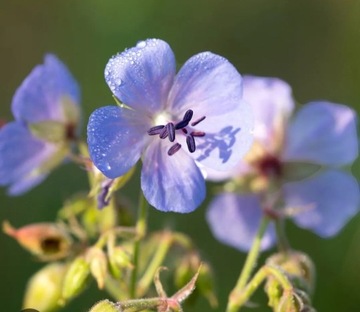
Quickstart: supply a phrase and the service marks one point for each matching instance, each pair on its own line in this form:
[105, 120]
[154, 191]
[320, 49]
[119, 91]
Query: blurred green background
[313, 45]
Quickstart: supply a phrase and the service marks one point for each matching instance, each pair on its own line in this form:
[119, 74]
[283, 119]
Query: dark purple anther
[197, 133]
[194, 123]
[190, 141]
[187, 117]
[164, 133]
[173, 149]
[171, 131]
[155, 130]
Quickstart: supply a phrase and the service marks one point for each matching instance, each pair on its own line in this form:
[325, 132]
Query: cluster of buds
[298, 269]
[88, 244]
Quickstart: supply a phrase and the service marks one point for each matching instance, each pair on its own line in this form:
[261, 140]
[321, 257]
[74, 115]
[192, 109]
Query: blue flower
[301, 157]
[175, 123]
[47, 113]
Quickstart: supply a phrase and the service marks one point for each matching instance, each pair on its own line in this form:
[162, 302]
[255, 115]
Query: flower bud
[98, 265]
[298, 266]
[119, 259]
[76, 278]
[48, 241]
[289, 303]
[205, 283]
[44, 288]
[105, 306]
[297, 301]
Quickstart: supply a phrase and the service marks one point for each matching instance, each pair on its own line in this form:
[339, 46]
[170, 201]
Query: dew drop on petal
[141, 44]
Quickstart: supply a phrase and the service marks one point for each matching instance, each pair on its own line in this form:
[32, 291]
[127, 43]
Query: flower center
[170, 129]
[269, 165]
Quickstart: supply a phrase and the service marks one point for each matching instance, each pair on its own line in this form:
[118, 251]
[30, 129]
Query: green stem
[141, 231]
[250, 263]
[259, 277]
[156, 261]
[283, 243]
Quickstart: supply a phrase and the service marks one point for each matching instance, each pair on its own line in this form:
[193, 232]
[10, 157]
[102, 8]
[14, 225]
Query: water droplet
[141, 44]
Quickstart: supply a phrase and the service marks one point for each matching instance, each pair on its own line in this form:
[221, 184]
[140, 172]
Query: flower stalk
[233, 304]
[141, 231]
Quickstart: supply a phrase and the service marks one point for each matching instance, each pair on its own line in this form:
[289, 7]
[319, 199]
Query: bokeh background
[313, 45]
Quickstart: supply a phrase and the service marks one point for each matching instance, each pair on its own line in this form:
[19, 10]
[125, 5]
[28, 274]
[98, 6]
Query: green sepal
[49, 131]
[71, 110]
[105, 306]
[119, 103]
[43, 290]
[297, 171]
[115, 185]
[76, 279]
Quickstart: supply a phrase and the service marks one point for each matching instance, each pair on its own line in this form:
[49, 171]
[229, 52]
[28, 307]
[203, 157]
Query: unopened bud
[44, 288]
[298, 301]
[119, 259]
[76, 278]
[105, 306]
[205, 283]
[48, 241]
[185, 270]
[289, 303]
[98, 265]
[298, 266]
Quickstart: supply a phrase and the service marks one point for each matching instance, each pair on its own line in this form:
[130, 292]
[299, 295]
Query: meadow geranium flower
[173, 122]
[47, 113]
[301, 156]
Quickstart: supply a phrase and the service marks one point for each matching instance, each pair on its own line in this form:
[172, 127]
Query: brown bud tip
[48, 241]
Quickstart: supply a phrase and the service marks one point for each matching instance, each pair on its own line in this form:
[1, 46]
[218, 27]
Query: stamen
[190, 141]
[187, 117]
[173, 149]
[155, 130]
[164, 133]
[194, 123]
[197, 133]
[171, 131]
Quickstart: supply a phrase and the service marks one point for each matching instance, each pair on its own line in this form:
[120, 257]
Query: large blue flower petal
[20, 156]
[141, 77]
[116, 138]
[228, 137]
[171, 183]
[208, 84]
[39, 96]
[324, 203]
[234, 220]
[324, 133]
[272, 102]
[211, 87]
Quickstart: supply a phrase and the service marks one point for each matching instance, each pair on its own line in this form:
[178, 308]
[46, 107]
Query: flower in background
[47, 113]
[174, 122]
[300, 157]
